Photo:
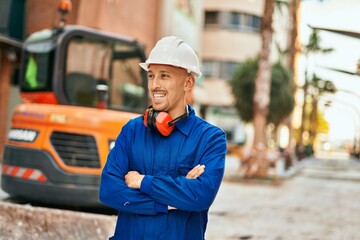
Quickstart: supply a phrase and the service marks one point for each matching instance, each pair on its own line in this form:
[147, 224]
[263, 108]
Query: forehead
[166, 68]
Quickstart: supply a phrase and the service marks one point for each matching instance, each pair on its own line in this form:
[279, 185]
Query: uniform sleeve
[113, 190]
[192, 194]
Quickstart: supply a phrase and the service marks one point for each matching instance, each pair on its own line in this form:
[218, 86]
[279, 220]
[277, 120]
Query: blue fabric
[165, 161]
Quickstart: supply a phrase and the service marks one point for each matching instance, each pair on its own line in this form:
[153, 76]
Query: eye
[164, 75]
[150, 75]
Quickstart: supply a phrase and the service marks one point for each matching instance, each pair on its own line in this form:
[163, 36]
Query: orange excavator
[79, 86]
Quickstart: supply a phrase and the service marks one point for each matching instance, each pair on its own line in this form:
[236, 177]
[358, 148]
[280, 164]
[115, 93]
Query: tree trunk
[262, 93]
[263, 78]
[294, 49]
[300, 142]
[313, 119]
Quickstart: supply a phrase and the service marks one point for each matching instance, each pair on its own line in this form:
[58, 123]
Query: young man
[166, 167]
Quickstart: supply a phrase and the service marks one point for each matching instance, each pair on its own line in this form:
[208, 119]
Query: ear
[189, 82]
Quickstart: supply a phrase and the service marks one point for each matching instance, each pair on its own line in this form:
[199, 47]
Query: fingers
[128, 177]
[133, 179]
[196, 171]
[171, 208]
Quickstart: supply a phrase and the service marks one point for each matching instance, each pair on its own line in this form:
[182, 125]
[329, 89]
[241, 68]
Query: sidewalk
[312, 203]
[346, 170]
[316, 166]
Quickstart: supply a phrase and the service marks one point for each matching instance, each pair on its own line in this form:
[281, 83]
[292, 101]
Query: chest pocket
[184, 164]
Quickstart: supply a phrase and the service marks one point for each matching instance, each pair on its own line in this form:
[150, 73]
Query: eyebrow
[161, 71]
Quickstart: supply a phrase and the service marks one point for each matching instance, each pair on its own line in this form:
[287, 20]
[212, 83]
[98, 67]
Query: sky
[344, 114]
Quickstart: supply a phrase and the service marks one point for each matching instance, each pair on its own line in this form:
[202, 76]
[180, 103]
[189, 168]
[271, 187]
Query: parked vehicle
[79, 86]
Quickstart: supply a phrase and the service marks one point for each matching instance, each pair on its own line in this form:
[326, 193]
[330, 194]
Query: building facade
[143, 20]
[231, 35]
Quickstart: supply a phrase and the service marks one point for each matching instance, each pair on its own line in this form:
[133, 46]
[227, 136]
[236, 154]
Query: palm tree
[312, 47]
[320, 87]
[262, 81]
[294, 6]
[262, 86]
[293, 50]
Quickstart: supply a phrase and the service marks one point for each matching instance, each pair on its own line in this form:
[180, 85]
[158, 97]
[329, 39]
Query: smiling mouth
[159, 96]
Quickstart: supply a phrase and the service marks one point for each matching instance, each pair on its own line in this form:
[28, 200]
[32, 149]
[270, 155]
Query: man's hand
[192, 174]
[195, 172]
[171, 208]
[133, 179]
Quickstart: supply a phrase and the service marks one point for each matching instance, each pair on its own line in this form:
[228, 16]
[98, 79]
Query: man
[166, 167]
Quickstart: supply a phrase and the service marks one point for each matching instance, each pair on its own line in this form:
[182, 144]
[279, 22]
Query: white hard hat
[175, 52]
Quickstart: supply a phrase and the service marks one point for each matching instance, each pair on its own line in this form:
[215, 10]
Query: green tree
[281, 94]
[282, 100]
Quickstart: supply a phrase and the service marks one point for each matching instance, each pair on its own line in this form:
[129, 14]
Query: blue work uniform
[165, 161]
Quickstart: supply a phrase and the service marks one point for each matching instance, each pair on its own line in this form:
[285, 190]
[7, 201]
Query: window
[219, 69]
[211, 19]
[38, 66]
[87, 63]
[255, 23]
[210, 68]
[244, 22]
[92, 62]
[127, 90]
[227, 69]
[233, 20]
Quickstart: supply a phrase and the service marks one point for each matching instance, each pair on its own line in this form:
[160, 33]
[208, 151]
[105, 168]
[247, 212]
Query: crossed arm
[133, 179]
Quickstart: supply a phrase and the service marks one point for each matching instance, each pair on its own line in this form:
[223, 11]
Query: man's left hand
[133, 179]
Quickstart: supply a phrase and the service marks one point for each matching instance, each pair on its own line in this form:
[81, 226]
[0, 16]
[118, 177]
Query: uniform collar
[184, 125]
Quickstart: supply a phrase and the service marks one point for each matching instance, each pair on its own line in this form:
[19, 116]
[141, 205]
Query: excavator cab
[75, 65]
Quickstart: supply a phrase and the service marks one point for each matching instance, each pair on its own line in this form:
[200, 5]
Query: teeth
[157, 96]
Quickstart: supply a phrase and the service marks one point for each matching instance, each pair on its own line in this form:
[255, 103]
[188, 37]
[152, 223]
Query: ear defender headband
[161, 122]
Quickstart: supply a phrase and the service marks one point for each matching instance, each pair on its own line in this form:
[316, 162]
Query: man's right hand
[195, 172]
[192, 174]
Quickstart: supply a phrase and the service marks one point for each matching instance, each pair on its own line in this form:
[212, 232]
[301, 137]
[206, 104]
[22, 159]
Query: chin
[159, 107]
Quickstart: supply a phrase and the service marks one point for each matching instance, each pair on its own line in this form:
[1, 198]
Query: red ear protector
[161, 122]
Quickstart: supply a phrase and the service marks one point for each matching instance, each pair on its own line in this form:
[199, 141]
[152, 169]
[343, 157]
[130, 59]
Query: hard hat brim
[145, 66]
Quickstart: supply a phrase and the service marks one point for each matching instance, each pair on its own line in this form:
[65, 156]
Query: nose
[154, 82]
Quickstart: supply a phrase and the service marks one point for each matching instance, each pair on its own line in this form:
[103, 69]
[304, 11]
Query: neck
[182, 116]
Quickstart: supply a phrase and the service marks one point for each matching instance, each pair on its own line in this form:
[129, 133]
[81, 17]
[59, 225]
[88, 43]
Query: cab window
[91, 62]
[38, 66]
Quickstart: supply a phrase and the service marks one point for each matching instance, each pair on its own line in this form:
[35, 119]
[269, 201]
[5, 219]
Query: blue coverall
[143, 213]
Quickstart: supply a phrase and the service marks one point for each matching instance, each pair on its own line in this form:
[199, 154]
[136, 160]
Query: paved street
[320, 202]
